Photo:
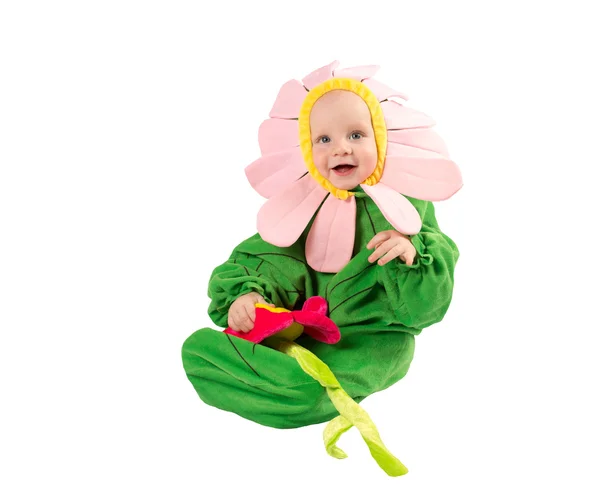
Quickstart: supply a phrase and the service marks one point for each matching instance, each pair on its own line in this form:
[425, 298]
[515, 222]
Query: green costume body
[379, 310]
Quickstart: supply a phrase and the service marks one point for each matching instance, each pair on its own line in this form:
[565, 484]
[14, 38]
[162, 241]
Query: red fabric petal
[266, 324]
[315, 304]
[313, 317]
[320, 327]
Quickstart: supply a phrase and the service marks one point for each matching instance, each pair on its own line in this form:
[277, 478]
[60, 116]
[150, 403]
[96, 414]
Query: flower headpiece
[412, 160]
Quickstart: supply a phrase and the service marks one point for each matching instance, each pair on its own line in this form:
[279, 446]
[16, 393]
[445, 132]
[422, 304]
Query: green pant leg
[253, 381]
[366, 359]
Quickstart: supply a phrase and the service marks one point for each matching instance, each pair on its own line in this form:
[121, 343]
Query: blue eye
[324, 139]
[355, 135]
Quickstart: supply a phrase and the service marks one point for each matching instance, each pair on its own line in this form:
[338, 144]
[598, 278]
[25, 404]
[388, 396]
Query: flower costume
[311, 242]
[412, 160]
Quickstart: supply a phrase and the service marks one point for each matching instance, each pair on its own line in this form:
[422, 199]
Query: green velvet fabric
[379, 310]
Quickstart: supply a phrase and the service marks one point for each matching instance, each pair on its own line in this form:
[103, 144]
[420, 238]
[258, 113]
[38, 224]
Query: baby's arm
[272, 275]
[420, 294]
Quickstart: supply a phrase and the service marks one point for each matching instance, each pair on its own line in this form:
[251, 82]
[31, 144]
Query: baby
[350, 176]
[345, 153]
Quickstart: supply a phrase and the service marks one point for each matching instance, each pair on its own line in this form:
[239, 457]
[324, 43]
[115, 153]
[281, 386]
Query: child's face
[344, 149]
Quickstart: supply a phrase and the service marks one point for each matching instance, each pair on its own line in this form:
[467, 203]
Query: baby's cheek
[320, 161]
[372, 160]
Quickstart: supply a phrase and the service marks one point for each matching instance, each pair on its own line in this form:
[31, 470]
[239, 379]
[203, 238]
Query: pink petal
[289, 100]
[396, 208]
[282, 219]
[381, 91]
[430, 179]
[271, 173]
[398, 116]
[275, 135]
[397, 149]
[330, 241]
[357, 72]
[419, 138]
[320, 75]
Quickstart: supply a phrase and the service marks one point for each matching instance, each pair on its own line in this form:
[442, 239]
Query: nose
[342, 148]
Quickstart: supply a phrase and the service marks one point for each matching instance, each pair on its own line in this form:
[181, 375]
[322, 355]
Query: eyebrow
[363, 126]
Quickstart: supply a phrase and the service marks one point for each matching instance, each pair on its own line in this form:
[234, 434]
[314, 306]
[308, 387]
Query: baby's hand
[242, 314]
[392, 244]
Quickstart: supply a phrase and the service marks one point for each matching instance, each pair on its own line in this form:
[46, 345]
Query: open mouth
[343, 170]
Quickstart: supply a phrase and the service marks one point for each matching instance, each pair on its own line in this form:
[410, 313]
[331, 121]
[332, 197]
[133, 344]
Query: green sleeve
[280, 275]
[421, 293]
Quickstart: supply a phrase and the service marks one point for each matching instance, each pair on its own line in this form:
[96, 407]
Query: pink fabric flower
[312, 320]
[417, 164]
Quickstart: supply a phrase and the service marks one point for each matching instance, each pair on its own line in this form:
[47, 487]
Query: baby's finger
[381, 250]
[378, 239]
[390, 255]
[251, 312]
[246, 323]
[231, 322]
[234, 321]
[239, 317]
[409, 257]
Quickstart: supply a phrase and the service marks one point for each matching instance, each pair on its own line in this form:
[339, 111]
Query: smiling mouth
[343, 170]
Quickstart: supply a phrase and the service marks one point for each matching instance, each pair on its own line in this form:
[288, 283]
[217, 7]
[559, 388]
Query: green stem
[351, 413]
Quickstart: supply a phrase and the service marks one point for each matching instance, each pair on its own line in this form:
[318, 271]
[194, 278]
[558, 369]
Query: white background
[124, 131]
